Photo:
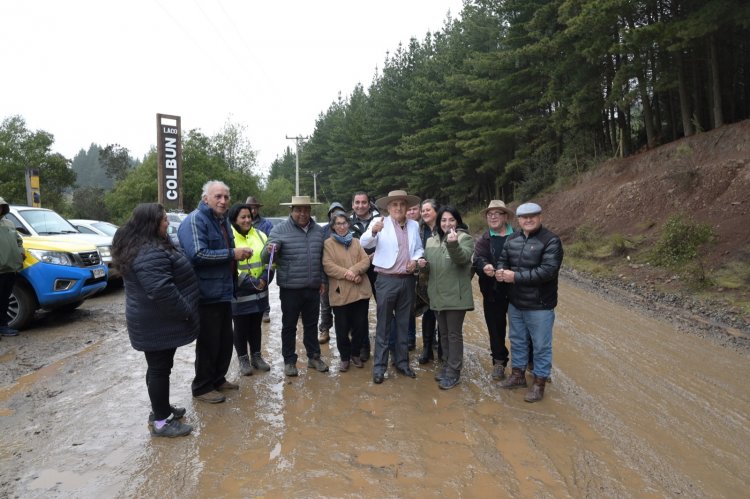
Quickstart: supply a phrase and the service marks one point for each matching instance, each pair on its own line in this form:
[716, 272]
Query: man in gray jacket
[296, 246]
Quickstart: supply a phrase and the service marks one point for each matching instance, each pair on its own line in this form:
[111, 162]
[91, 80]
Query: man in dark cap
[530, 263]
[265, 227]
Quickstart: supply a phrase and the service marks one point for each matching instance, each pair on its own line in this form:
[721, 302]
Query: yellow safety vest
[254, 240]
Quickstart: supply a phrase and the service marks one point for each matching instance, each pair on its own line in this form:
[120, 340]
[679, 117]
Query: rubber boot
[536, 391]
[427, 355]
[246, 369]
[517, 379]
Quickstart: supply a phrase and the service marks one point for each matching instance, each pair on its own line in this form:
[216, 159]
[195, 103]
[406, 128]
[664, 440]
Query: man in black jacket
[530, 262]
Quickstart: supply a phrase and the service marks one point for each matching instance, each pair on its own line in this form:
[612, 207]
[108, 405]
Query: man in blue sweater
[207, 240]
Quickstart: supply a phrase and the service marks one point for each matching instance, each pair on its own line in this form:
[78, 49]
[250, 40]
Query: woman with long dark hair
[427, 228]
[161, 306]
[447, 259]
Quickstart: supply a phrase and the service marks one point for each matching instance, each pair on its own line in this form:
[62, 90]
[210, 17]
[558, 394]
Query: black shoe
[173, 428]
[378, 378]
[364, 354]
[177, 413]
[8, 331]
[448, 382]
[426, 356]
[407, 371]
[440, 375]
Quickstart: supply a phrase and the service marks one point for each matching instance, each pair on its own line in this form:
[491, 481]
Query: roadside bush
[679, 247]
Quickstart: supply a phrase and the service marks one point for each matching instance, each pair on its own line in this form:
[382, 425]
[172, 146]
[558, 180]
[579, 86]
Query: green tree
[21, 148]
[116, 161]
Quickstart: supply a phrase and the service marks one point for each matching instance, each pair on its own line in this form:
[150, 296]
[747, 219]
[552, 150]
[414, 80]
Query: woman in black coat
[161, 306]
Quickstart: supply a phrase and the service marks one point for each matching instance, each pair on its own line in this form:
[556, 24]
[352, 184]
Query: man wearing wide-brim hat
[397, 247]
[296, 246]
[530, 263]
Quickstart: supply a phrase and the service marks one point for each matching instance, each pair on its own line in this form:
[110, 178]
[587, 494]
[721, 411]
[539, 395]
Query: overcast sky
[99, 71]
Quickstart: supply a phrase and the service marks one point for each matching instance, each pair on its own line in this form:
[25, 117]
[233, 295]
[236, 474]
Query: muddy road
[637, 408]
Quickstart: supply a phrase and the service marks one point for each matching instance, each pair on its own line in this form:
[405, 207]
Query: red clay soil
[706, 176]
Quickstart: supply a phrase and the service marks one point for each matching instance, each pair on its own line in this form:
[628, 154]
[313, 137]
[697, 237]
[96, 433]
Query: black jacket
[161, 300]
[484, 254]
[536, 262]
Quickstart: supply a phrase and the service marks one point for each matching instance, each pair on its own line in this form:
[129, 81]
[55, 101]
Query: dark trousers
[247, 331]
[7, 280]
[326, 316]
[296, 303]
[213, 350]
[157, 381]
[428, 328]
[495, 316]
[395, 301]
[451, 323]
[351, 317]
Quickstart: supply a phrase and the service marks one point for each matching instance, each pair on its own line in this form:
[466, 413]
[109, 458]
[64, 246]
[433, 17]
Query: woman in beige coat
[349, 291]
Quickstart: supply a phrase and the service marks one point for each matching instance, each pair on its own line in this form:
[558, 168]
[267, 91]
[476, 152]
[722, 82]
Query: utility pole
[315, 186]
[297, 142]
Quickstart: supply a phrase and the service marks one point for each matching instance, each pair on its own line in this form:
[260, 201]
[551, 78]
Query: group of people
[413, 257]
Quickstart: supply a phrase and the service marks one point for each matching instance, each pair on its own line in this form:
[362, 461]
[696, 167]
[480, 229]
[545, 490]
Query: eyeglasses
[493, 214]
[341, 224]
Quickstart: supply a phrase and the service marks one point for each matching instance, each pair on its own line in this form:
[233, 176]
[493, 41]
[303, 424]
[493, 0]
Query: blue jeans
[533, 326]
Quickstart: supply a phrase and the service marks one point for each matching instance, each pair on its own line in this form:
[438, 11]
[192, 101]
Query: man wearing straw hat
[397, 247]
[296, 246]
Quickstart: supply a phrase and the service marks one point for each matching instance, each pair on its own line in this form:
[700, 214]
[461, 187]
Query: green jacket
[450, 273]
[11, 248]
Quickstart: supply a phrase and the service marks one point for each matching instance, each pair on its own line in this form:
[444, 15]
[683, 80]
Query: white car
[94, 227]
[30, 221]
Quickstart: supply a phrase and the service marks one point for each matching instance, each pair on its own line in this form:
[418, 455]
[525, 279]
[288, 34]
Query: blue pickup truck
[58, 274]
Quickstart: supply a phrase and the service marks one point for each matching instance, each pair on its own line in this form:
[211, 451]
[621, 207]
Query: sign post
[33, 196]
[169, 158]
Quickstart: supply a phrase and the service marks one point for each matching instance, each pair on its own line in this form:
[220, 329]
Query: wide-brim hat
[299, 201]
[253, 202]
[496, 204]
[382, 203]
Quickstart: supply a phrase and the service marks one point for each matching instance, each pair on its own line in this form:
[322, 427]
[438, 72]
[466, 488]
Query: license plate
[98, 273]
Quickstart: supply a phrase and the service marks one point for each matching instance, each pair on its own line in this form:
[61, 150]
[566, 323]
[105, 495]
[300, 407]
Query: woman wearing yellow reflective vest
[253, 278]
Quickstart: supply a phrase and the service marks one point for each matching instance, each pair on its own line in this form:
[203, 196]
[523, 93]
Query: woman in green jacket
[447, 259]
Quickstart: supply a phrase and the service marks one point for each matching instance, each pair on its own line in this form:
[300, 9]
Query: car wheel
[21, 306]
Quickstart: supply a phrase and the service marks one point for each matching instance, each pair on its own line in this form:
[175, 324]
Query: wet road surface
[636, 409]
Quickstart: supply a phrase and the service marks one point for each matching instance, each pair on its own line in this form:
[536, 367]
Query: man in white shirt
[397, 247]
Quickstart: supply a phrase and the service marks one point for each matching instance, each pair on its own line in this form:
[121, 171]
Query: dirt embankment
[705, 177]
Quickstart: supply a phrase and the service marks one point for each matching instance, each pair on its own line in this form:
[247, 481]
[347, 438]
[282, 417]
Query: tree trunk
[715, 81]
[687, 124]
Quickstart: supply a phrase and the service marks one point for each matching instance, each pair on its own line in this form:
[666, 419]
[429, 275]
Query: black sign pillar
[169, 157]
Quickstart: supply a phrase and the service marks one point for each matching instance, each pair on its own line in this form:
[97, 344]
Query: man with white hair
[397, 247]
[207, 240]
[530, 263]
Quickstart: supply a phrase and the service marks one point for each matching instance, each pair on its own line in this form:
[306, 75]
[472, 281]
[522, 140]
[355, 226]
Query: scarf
[345, 240]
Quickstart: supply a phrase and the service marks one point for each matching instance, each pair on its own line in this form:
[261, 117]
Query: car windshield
[45, 222]
[105, 227]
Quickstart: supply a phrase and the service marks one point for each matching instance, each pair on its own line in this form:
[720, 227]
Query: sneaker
[498, 372]
[8, 331]
[448, 382]
[212, 397]
[173, 428]
[227, 385]
[266, 317]
[290, 370]
[246, 369]
[258, 362]
[324, 337]
[344, 366]
[317, 364]
[177, 413]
